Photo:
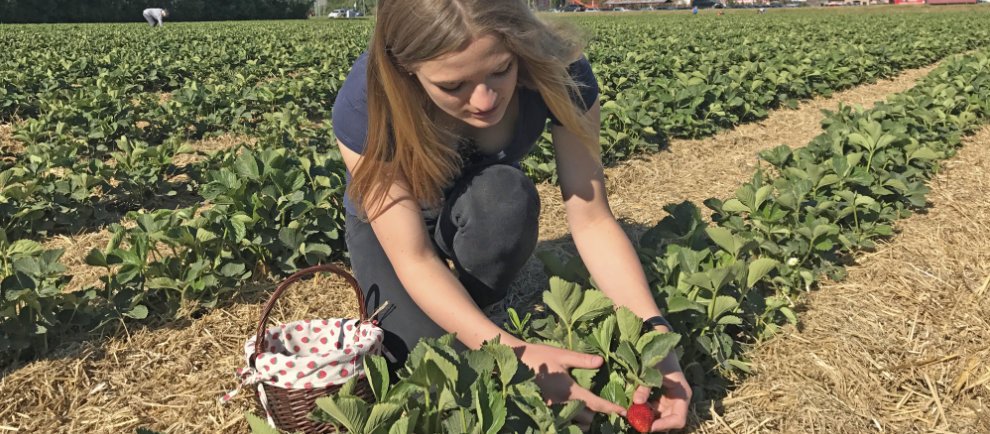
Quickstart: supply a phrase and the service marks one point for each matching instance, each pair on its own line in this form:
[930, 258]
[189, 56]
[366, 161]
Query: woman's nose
[483, 98]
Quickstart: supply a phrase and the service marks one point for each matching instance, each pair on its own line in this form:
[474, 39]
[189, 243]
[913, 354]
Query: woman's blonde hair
[402, 137]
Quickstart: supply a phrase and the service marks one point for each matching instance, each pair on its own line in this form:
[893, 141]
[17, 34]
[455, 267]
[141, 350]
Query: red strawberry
[640, 417]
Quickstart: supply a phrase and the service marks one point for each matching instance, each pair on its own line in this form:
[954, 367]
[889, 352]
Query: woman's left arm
[610, 256]
[604, 247]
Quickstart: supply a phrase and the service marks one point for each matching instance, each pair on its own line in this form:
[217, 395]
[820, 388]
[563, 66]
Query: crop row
[723, 286]
[42, 61]
[687, 79]
[270, 210]
[106, 102]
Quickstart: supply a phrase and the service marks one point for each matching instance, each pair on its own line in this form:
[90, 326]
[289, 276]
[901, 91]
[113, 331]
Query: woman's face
[473, 85]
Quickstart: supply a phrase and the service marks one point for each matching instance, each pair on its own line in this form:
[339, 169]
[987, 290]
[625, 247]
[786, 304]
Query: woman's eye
[504, 71]
[451, 89]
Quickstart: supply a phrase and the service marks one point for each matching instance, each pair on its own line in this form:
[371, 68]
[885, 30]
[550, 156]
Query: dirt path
[902, 345]
[168, 378]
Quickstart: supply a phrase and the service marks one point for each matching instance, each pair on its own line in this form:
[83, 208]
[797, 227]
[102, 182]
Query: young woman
[432, 122]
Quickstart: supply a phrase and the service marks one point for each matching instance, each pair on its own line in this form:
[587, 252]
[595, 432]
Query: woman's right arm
[402, 233]
[428, 280]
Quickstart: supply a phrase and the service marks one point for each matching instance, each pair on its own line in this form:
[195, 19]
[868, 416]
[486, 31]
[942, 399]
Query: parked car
[573, 8]
[344, 13]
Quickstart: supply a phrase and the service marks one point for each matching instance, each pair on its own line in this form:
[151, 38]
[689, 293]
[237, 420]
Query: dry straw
[167, 376]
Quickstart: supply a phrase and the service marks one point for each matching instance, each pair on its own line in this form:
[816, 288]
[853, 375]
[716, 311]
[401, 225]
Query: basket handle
[292, 279]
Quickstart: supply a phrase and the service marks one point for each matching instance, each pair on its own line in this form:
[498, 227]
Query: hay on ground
[167, 377]
[903, 344]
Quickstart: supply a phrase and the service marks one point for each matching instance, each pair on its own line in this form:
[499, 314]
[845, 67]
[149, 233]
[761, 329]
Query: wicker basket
[288, 408]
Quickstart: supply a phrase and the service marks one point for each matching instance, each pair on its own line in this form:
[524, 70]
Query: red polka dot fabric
[310, 354]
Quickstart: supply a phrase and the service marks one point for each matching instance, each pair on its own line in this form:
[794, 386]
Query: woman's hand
[673, 404]
[552, 367]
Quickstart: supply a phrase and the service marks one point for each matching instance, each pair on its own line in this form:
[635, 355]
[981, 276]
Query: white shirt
[154, 14]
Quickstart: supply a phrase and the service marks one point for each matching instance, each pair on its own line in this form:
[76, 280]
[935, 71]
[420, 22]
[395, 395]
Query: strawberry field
[106, 127]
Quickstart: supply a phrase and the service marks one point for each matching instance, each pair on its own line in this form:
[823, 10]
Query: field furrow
[196, 357]
[796, 172]
[900, 345]
[694, 170]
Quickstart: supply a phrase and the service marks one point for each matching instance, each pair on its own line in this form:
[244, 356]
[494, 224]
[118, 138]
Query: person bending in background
[432, 122]
[155, 16]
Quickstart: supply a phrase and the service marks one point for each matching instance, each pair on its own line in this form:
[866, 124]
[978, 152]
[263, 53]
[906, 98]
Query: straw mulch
[77, 246]
[209, 146]
[168, 376]
[903, 344]
[8, 145]
[692, 170]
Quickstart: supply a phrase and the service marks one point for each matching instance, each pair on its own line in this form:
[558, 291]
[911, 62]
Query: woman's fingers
[573, 359]
[594, 402]
[668, 422]
[641, 394]
[674, 410]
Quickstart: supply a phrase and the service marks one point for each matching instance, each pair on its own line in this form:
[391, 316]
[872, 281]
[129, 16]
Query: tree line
[78, 11]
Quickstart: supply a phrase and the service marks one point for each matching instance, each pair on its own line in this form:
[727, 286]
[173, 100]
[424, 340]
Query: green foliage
[662, 76]
[102, 125]
[476, 391]
[67, 11]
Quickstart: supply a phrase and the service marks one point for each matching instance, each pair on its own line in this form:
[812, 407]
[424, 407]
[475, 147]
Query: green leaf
[603, 333]
[259, 425]
[382, 415]
[734, 205]
[615, 391]
[924, 153]
[655, 346]
[406, 424]
[758, 269]
[680, 303]
[376, 369]
[594, 304]
[627, 357]
[137, 312]
[204, 235]
[563, 298]
[24, 247]
[630, 325]
[349, 411]
[247, 167]
[490, 408]
[96, 258]
[505, 359]
[730, 320]
[741, 365]
[723, 304]
[584, 377]
[570, 410]
[724, 238]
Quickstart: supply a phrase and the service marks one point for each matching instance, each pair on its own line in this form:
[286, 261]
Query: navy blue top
[350, 115]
